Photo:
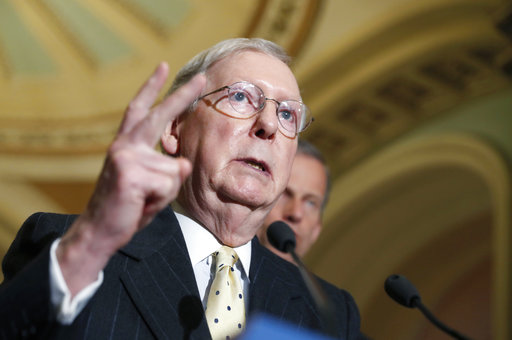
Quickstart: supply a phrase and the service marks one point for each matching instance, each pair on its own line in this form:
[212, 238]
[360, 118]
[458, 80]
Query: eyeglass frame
[228, 87]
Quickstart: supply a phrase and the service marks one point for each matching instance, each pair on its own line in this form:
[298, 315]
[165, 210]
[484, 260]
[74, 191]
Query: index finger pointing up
[149, 129]
[144, 99]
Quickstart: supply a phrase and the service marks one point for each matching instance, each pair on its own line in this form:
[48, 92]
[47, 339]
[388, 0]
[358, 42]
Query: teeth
[255, 165]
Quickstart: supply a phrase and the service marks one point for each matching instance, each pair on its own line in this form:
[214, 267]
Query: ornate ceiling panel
[415, 66]
[68, 68]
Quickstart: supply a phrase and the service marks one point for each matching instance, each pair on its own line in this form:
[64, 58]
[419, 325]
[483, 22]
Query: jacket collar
[161, 281]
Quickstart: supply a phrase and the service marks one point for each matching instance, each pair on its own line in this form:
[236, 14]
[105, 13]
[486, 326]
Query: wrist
[81, 256]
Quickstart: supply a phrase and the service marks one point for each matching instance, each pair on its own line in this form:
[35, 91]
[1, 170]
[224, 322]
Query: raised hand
[136, 182]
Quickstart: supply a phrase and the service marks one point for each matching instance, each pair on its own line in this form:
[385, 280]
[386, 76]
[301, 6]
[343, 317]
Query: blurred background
[413, 108]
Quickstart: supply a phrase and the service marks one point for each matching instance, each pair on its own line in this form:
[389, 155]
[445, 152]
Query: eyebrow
[307, 195]
[280, 98]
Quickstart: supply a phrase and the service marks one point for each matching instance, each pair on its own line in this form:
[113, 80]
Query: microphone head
[402, 290]
[281, 236]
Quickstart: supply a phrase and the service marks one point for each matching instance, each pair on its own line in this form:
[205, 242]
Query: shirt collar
[201, 243]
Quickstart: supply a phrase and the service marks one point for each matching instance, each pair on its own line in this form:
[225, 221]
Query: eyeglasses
[246, 100]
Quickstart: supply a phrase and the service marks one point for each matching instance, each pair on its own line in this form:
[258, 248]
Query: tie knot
[225, 257]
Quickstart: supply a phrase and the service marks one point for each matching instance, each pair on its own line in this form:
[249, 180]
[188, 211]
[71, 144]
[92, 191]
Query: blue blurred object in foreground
[268, 328]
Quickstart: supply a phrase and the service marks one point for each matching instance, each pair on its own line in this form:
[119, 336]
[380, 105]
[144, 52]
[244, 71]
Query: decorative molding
[95, 54]
[286, 22]
[376, 185]
[401, 74]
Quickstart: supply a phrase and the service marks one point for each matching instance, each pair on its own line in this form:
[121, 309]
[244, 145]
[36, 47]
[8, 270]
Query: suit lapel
[161, 282]
[272, 285]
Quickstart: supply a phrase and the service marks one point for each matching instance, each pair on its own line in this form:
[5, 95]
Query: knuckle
[120, 155]
[135, 105]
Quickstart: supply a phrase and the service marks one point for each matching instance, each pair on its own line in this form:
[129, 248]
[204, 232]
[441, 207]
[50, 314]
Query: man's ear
[169, 139]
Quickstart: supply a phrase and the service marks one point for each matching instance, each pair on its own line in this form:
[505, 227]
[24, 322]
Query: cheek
[285, 167]
[311, 224]
[207, 133]
[224, 131]
[276, 213]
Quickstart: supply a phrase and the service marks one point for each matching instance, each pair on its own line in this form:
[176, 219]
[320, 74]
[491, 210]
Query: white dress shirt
[200, 245]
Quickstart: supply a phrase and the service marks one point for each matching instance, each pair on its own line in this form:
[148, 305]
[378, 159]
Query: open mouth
[256, 165]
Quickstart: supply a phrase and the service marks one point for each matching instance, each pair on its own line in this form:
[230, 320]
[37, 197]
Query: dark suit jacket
[149, 289]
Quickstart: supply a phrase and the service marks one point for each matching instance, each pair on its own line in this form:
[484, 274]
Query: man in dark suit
[131, 267]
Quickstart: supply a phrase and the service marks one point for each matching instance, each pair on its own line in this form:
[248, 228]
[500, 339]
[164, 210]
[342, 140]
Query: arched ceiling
[433, 209]
[401, 69]
[370, 71]
[68, 68]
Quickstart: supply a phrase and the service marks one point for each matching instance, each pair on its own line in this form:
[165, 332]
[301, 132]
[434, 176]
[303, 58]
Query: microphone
[403, 291]
[190, 312]
[282, 237]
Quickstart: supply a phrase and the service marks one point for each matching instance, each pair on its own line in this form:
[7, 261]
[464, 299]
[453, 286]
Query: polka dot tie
[225, 310]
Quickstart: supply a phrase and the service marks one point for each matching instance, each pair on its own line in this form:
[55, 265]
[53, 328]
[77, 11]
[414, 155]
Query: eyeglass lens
[247, 99]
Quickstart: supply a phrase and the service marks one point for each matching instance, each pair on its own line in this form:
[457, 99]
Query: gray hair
[306, 148]
[205, 59]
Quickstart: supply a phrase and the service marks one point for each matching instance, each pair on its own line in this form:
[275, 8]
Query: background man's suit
[149, 289]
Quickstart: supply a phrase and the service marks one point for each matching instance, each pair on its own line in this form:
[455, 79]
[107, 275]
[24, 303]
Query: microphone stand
[405, 293]
[417, 303]
[281, 236]
[323, 304]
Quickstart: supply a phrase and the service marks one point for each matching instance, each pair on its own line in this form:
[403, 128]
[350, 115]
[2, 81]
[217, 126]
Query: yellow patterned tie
[225, 310]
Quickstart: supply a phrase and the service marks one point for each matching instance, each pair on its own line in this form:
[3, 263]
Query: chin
[249, 198]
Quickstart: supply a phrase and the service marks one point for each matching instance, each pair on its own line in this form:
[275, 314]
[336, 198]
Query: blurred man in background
[302, 203]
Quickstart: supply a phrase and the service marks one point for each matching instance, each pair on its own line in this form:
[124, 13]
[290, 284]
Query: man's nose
[294, 211]
[266, 124]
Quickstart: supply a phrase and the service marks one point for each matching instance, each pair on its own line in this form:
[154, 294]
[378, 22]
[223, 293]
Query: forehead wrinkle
[279, 93]
[220, 75]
